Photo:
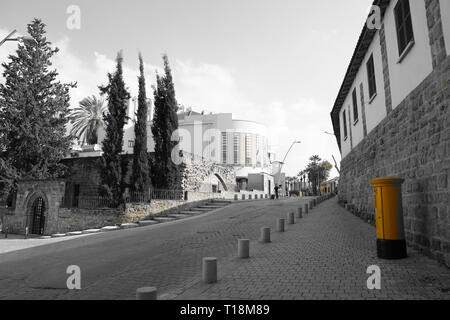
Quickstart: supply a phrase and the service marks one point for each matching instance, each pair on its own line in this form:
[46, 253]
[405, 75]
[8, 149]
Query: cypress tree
[140, 176]
[166, 174]
[34, 112]
[113, 168]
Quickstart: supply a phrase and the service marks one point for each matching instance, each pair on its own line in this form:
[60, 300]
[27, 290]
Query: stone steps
[210, 207]
[191, 212]
[202, 209]
[164, 219]
[148, 222]
[74, 233]
[179, 216]
[109, 228]
[88, 231]
[129, 225]
[58, 235]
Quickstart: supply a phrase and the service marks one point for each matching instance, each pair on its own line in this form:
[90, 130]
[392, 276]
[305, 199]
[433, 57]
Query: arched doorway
[224, 186]
[38, 216]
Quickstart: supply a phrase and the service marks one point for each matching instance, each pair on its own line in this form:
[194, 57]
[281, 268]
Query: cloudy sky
[278, 62]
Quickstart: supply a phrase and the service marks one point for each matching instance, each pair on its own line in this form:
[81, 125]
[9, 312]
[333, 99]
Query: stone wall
[51, 191]
[413, 143]
[75, 219]
[199, 175]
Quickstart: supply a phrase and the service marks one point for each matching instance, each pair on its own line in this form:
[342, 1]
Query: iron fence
[155, 194]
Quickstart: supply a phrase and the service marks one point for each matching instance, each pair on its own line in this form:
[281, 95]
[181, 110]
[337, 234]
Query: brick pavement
[324, 256]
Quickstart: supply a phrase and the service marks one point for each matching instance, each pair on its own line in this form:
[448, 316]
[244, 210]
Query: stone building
[391, 118]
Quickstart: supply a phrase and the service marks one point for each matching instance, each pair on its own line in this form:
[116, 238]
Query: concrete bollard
[299, 213]
[310, 205]
[280, 225]
[306, 208]
[209, 270]
[146, 293]
[291, 218]
[265, 235]
[243, 248]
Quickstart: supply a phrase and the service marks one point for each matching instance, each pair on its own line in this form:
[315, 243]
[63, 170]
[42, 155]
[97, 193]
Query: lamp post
[284, 159]
[20, 39]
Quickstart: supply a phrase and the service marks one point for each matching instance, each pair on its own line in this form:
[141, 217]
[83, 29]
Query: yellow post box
[391, 242]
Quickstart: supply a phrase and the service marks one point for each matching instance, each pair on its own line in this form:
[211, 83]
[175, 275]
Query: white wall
[376, 110]
[445, 18]
[345, 143]
[417, 64]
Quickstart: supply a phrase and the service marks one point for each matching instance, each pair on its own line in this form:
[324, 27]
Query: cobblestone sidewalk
[325, 255]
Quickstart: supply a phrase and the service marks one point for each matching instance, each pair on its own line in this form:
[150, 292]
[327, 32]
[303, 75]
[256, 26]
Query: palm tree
[87, 119]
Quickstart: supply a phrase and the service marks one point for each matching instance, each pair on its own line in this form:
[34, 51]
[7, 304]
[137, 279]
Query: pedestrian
[276, 192]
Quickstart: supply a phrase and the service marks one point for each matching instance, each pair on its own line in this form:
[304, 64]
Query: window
[371, 77]
[130, 143]
[403, 23]
[248, 150]
[258, 151]
[236, 148]
[344, 119]
[224, 147]
[355, 106]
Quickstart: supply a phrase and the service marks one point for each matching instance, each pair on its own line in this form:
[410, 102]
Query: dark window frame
[355, 107]
[344, 118]
[404, 27]
[371, 78]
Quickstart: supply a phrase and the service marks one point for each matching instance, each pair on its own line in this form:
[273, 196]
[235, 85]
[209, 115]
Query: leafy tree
[165, 173]
[317, 172]
[34, 110]
[87, 119]
[140, 176]
[113, 168]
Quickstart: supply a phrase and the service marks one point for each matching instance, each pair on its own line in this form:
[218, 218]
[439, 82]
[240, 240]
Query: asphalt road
[114, 264]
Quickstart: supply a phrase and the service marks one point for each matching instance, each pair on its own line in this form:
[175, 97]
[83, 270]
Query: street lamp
[23, 39]
[281, 163]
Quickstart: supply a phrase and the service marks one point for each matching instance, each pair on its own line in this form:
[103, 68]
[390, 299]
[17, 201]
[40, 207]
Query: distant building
[391, 118]
[330, 186]
[241, 144]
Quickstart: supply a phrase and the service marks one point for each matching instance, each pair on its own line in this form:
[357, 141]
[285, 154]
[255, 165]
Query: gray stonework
[435, 32]
[52, 193]
[200, 175]
[385, 64]
[413, 143]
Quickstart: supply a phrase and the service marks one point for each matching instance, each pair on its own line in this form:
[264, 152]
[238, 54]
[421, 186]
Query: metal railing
[88, 202]
[154, 194]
